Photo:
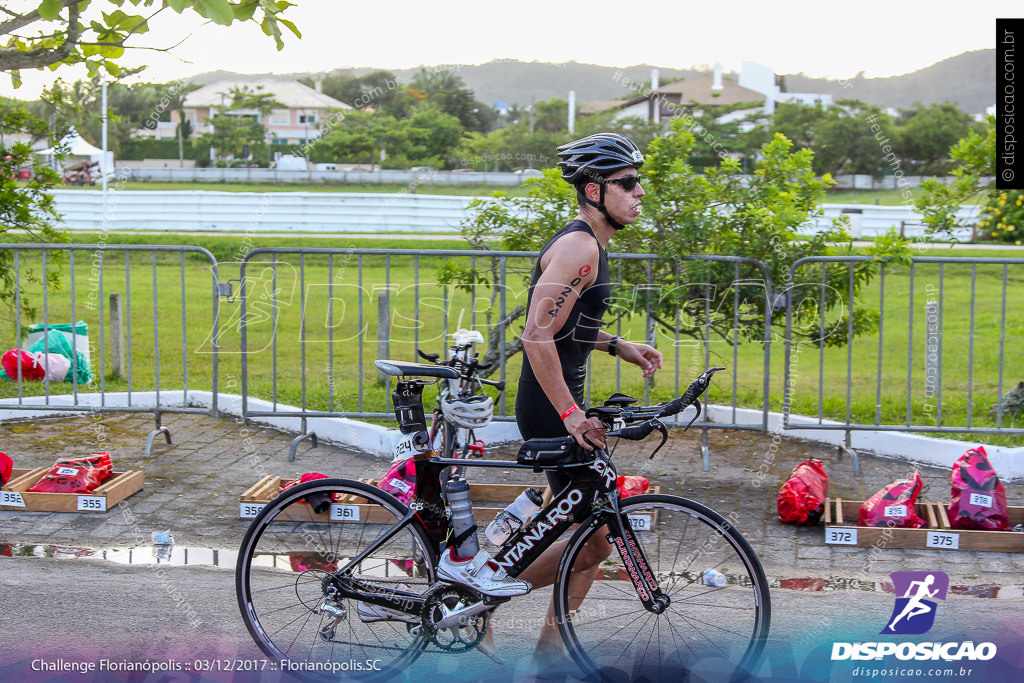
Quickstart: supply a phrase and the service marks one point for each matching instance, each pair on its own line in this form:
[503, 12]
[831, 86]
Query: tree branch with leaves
[96, 33]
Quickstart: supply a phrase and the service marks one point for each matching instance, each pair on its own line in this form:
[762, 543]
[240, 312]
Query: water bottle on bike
[513, 518]
[463, 562]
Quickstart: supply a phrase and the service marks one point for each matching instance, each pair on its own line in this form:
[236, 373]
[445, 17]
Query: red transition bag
[978, 499]
[802, 498]
[893, 506]
[75, 475]
[321, 502]
[632, 485]
[31, 369]
[6, 465]
[400, 481]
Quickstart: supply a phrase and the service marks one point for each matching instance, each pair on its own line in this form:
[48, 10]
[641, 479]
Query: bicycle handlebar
[649, 417]
[467, 370]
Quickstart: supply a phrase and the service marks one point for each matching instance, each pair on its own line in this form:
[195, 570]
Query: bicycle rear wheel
[282, 580]
[605, 626]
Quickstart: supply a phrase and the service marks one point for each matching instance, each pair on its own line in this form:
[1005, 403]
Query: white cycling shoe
[480, 573]
[368, 612]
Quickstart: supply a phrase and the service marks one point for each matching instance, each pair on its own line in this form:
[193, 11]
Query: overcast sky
[819, 37]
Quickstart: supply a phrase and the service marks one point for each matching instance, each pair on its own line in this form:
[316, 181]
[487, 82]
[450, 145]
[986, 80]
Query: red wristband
[568, 412]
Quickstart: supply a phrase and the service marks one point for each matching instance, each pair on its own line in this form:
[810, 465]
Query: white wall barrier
[340, 212]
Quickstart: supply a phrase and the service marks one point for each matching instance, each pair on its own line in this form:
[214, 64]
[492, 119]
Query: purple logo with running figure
[916, 593]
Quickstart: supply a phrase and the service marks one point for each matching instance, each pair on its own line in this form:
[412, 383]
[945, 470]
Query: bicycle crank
[455, 617]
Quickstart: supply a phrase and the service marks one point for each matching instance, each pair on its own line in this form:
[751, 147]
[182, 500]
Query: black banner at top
[1009, 126]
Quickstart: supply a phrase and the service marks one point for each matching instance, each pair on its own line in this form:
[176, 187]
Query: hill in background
[967, 79]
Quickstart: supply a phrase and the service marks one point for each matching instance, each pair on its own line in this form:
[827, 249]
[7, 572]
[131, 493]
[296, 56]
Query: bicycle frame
[591, 498]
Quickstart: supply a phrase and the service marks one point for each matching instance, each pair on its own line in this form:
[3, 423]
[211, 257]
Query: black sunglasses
[628, 182]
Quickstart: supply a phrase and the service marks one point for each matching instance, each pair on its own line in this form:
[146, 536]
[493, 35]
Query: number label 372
[840, 536]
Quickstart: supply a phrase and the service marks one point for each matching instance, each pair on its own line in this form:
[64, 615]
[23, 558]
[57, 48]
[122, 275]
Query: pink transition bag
[801, 499]
[893, 506]
[400, 481]
[978, 499]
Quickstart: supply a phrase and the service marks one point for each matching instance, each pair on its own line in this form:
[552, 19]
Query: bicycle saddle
[397, 368]
[621, 400]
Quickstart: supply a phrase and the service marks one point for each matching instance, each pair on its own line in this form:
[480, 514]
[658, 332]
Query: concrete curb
[380, 441]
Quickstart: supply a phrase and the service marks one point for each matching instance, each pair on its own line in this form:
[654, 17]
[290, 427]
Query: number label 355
[92, 504]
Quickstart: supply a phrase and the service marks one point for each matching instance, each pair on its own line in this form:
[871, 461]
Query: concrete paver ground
[192, 488]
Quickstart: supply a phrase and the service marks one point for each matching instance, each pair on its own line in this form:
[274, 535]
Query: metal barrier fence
[302, 329]
[137, 304]
[948, 331]
[311, 313]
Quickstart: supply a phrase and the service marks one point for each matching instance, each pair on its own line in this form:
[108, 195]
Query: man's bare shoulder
[575, 248]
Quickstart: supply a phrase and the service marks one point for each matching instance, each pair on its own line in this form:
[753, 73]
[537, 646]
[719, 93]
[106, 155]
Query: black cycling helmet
[594, 158]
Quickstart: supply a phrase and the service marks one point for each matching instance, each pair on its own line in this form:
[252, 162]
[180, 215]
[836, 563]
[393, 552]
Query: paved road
[112, 600]
[84, 610]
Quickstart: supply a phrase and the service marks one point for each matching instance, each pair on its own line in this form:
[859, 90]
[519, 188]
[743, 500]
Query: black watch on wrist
[612, 343]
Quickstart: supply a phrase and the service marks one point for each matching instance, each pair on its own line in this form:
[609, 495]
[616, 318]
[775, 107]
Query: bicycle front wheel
[288, 601]
[719, 605]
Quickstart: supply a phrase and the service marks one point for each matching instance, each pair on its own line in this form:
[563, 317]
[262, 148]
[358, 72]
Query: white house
[756, 85]
[295, 123]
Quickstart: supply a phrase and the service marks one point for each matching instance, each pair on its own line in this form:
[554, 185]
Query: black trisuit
[574, 341]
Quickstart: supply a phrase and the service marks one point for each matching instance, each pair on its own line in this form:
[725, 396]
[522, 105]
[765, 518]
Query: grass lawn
[882, 197]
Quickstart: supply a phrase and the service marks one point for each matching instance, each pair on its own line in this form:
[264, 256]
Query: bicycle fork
[635, 562]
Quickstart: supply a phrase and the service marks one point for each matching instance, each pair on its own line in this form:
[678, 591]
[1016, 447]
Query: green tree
[240, 123]
[1002, 219]
[846, 142]
[447, 91]
[358, 138]
[429, 136]
[27, 209]
[717, 211]
[975, 159]
[57, 32]
[925, 135]
[507, 149]
[381, 91]
[722, 211]
[799, 122]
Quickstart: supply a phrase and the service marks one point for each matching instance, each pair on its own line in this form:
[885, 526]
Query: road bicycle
[677, 582]
[462, 406]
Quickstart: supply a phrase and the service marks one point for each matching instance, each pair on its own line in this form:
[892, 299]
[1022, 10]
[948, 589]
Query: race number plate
[895, 511]
[12, 498]
[344, 513]
[841, 536]
[92, 504]
[249, 510]
[640, 522]
[940, 539]
[981, 500]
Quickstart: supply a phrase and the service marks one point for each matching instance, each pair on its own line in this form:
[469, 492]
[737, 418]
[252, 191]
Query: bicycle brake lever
[660, 426]
[696, 402]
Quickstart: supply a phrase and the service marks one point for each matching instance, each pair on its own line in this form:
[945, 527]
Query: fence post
[383, 330]
[116, 338]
